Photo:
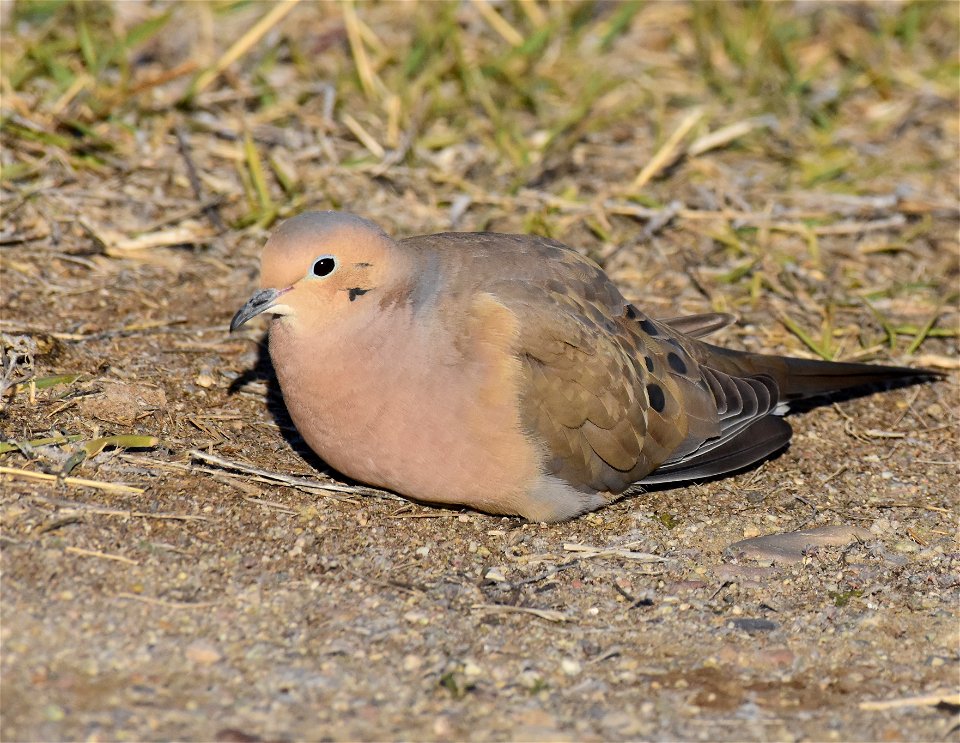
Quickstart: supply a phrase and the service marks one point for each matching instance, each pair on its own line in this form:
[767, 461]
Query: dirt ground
[172, 592]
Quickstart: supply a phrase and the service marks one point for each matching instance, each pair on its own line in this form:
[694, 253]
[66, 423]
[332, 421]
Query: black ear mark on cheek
[357, 292]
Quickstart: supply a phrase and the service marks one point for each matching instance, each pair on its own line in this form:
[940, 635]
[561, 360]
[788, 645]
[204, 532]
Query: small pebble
[880, 526]
[731, 572]
[205, 378]
[203, 653]
[412, 662]
[935, 411]
[751, 625]
[442, 728]
[235, 735]
[789, 547]
[906, 545]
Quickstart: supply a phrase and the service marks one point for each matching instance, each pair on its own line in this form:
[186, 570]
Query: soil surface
[173, 592]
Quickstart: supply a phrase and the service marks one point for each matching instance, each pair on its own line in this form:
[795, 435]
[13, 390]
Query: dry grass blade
[586, 551]
[185, 68]
[668, 151]
[48, 441]
[533, 11]
[857, 228]
[117, 245]
[730, 133]
[79, 482]
[873, 433]
[363, 136]
[80, 83]
[182, 235]
[937, 361]
[498, 23]
[102, 555]
[267, 209]
[280, 507]
[354, 35]
[805, 337]
[209, 209]
[923, 333]
[276, 477]
[46, 382]
[124, 441]
[242, 45]
[949, 697]
[551, 615]
[104, 511]
[166, 604]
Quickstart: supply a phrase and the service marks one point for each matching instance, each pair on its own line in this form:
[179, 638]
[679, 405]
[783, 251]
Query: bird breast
[405, 402]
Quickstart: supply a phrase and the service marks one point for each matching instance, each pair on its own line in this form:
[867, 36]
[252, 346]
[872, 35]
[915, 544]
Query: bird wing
[610, 394]
[583, 396]
[623, 401]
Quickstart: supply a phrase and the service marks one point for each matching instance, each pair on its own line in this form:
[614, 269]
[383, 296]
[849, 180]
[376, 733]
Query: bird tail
[802, 378]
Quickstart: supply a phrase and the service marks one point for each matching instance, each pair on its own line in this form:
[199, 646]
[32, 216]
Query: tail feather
[798, 379]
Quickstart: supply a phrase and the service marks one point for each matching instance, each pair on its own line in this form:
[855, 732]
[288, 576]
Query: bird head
[318, 267]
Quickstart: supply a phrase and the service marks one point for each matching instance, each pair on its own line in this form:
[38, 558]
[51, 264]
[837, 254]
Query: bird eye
[323, 266]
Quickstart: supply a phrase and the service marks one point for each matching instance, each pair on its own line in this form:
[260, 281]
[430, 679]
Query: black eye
[324, 266]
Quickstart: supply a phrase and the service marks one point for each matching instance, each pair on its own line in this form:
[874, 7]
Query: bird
[507, 373]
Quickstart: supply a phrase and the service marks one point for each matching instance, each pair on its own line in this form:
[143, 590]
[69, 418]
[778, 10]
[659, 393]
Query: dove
[507, 373]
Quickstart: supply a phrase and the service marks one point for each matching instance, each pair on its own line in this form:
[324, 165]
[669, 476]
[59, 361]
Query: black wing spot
[357, 292]
[648, 327]
[676, 363]
[631, 312]
[648, 360]
[657, 400]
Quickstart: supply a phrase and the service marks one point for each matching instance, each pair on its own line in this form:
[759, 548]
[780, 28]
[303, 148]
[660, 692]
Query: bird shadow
[263, 371]
[798, 407]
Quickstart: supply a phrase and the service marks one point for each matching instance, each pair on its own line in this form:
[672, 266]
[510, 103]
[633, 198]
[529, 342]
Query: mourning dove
[507, 373]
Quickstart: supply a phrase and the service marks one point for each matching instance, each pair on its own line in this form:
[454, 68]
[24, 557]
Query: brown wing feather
[587, 361]
[608, 393]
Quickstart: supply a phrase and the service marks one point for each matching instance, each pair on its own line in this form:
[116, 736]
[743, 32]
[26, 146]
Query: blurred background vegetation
[759, 132]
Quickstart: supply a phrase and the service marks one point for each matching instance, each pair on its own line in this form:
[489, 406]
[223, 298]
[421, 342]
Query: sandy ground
[209, 602]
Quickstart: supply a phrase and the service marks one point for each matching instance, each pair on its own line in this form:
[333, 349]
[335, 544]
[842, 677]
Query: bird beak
[262, 301]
